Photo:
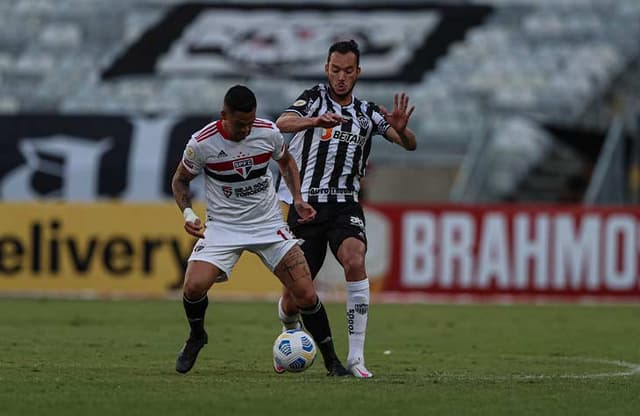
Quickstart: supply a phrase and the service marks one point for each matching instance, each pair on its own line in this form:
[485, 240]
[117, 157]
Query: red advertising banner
[544, 250]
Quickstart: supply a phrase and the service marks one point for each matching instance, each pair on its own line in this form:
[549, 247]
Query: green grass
[117, 358]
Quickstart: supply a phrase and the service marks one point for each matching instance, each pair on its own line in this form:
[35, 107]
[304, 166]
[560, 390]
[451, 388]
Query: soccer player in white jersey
[243, 214]
[334, 131]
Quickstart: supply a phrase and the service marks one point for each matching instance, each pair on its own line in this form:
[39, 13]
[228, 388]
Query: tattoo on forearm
[181, 192]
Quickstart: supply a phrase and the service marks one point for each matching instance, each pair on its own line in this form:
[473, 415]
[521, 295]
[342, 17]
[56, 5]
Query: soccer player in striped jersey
[333, 137]
[243, 214]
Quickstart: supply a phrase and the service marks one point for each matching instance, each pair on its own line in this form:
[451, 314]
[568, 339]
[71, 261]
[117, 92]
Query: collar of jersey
[222, 131]
[328, 89]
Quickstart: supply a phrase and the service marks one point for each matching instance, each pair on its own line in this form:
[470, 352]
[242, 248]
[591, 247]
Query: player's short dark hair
[345, 46]
[240, 98]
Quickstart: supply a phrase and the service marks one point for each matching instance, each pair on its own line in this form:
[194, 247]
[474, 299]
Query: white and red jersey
[239, 190]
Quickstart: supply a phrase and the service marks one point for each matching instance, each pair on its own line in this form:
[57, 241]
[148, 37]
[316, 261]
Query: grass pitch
[117, 358]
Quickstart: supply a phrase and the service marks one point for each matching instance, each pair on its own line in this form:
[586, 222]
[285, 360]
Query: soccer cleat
[357, 369]
[336, 369]
[277, 368]
[189, 352]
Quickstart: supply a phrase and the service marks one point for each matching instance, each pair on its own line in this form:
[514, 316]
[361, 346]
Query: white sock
[288, 321]
[357, 314]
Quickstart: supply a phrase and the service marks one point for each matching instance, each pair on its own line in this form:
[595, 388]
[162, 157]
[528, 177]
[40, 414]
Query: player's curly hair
[345, 46]
[240, 98]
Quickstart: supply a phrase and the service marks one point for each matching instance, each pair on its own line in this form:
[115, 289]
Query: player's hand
[305, 211]
[328, 120]
[192, 224]
[399, 117]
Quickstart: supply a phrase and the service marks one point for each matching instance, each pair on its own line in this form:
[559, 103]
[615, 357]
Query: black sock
[195, 311]
[317, 323]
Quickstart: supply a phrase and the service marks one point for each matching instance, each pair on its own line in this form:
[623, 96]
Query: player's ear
[223, 114]
[326, 68]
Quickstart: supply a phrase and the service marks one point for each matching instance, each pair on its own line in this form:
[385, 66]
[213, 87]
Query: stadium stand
[530, 64]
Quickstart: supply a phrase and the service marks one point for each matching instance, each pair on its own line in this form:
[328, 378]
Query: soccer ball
[294, 350]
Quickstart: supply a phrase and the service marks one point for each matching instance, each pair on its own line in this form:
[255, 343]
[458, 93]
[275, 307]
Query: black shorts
[334, 222]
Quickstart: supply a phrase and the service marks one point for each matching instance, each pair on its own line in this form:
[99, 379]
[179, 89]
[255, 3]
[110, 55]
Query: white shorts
[216, 249]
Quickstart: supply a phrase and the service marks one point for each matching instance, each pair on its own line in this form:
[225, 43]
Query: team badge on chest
[243, 166]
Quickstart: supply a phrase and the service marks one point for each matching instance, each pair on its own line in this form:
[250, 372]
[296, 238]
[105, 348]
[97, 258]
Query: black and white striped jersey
[332, 161]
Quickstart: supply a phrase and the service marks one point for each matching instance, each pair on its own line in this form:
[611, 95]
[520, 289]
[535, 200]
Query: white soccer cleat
[277, 368]
[358, 369]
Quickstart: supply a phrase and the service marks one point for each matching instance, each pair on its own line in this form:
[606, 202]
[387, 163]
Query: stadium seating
[548, 60]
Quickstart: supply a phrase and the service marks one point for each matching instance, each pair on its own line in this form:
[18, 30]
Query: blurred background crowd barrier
[525, 181]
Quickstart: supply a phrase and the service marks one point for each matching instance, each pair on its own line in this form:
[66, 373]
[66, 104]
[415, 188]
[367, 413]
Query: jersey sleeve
[380, 125]
[192, 158]
[278, 145]
[304, 103]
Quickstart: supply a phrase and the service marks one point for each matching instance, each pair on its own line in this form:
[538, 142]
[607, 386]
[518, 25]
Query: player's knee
[354, 266]
[305, 297]
[195, 288]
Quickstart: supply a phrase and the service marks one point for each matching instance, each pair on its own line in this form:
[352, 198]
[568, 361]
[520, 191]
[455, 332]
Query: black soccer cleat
[189, 352]
[336, 369]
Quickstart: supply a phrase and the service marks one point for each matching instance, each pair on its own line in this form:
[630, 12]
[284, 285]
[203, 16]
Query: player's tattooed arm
[180, 187]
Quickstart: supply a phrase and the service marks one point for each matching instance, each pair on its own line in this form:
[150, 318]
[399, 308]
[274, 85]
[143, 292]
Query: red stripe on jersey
[228, 165]
[262, 125]
[206, 133]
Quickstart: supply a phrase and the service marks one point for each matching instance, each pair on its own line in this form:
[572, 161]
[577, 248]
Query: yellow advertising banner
[107, 249]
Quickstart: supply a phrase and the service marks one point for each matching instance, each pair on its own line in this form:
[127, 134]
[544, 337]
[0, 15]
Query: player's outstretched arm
[398, 120]
[291, 175]
[290, 122]
[180, 187]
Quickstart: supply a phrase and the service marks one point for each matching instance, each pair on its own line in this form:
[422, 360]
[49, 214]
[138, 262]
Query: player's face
[238, 124]
[342, 71]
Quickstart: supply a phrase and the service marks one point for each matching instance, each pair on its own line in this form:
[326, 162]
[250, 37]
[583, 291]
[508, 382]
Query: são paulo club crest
[243, 166]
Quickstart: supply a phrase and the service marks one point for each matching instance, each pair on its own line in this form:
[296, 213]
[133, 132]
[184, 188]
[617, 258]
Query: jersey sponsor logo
[356, 221]
[220, 40]
[326, 135]
[330, 191]
[348, 137]
[249, 190]
[227, 190]
[343, 136]
[222, 154]
[243, 166]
